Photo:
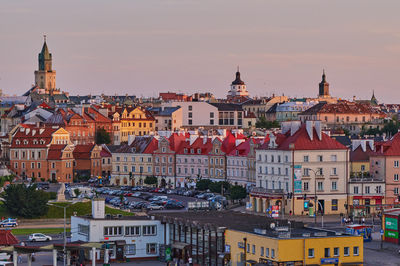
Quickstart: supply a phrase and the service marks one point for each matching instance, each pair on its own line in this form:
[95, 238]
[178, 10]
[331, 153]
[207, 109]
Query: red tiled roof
[34, 134]
[390, 147]
[152, 146]
[302, 141]
[242, 149]
[229, 143]
[196, 145]
[55, 152]
[83, 151]
[358, 155]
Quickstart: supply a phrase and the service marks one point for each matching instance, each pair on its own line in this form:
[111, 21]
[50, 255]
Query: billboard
[391, 223]
[297, 179]
[391, 234]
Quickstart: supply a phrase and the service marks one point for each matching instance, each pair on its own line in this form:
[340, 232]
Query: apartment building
[306, 163]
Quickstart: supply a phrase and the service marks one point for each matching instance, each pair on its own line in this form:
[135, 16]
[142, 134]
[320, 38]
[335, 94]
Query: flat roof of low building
[257, 224]
[119, 218]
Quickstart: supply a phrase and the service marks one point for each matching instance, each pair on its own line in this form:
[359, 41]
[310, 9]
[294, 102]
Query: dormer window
[192, 151]
[25, 142]
[17, 142]
[35, 141]
[185, 150]
[42, 141]
[199, 151]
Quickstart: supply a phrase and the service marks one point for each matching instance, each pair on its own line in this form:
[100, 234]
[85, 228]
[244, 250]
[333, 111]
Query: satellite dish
[272, 225]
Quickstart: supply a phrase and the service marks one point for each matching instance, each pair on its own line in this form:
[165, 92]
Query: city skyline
[189, 47]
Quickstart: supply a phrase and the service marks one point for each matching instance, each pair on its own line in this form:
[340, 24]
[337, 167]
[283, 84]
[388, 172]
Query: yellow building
[134, 121]
[303, 246]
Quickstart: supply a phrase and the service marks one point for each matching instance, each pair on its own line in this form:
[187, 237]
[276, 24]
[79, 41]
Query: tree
[238, 192]
[263, 123]
[102, 136]
[203, 184]
[150, 180]
[216, 186]
[26, 202]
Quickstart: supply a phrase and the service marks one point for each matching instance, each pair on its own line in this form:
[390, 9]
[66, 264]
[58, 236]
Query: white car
[36, 237]
[155, 207]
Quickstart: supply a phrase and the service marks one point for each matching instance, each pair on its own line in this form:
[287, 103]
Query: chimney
[98, 208]
[309, 128]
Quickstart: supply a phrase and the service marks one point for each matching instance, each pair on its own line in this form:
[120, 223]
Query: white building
[133, 237]
[197, 114]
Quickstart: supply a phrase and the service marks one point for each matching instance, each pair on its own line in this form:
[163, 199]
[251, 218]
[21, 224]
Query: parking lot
[152, 199]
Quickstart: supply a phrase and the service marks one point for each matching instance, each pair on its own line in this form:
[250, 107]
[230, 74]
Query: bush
[203, 184]
[237, 192]
[26, 202]
[150, 180]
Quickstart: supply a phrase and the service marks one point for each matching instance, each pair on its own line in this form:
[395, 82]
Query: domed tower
[323, 87]
[45, 76]
[238, 87]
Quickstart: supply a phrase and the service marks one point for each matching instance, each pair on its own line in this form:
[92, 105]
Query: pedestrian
[363, 220]
[19, 258]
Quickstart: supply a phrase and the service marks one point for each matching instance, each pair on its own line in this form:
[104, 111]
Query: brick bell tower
[45, 76]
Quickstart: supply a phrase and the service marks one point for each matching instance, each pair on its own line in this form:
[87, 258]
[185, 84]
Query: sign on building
[297, 179]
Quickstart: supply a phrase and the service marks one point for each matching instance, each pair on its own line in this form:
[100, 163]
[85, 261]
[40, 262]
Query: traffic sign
[381, 232]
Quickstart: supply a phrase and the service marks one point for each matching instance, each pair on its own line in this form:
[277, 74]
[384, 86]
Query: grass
[47, 231]
[81, 208]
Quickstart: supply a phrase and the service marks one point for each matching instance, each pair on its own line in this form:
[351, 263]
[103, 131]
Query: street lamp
[65, 229]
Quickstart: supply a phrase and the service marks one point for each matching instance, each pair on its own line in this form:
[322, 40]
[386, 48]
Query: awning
[251, 261]
[180, 245]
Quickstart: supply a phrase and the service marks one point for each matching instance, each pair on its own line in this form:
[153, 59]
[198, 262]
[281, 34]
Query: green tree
[77, 192]
[150, 180]
[216, 186]
[263, 123]
[237, 192]
[26, 202]
[203, 184]
[102, 136]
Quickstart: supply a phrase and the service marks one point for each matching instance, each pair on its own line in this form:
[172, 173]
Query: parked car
[9, 222]
[43, 185]
[154, 207]
[136, 194]
[36, 237]
[171, 191]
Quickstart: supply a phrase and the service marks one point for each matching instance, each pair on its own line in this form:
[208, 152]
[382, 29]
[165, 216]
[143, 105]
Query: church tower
[323, 87]
[45, 76]
[238, 87]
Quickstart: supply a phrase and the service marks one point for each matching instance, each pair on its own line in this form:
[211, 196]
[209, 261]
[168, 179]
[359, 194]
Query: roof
[30, 136]
[390, 147]
[203, 144]
[163, 111]
[55, 152]
[344, 107]
[358, 155]
[237, 80]
[83, 151]
[227, 106]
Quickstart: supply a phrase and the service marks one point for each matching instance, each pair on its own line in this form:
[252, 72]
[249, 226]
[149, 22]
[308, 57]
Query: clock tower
[45, 76]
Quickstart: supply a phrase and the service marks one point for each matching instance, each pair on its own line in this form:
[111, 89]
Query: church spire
[45, 60]
[323, 86]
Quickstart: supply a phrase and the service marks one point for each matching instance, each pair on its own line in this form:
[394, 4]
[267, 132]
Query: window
[355, 251]
[320, 186]
[305, 158]
[262, 251]
[132, 230]
[248, 248]
[334, 185]
[355, 190]
[396, 164]
[320, 158]
[367, 190]
[311, 253]
[333, 171]
[336, 252]
[334, 204]
[346, 251]
[333, 158]
[306, 172]
[396, 177]
[320, 171]
[83, 229]
[130, 249]
[305, 185]
[267, 252]
[113, 230]
[190, 108]
[253, 249]
[273, 253]
[151, 248]
[396, 191]
[327, 252]
[363, 168]
[149, 230]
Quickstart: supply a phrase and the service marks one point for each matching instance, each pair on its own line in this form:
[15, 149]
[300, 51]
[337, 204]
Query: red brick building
[87, 160]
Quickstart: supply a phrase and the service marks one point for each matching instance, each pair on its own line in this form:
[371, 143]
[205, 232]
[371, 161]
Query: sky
[151, 46]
